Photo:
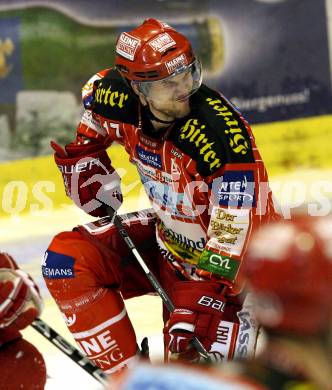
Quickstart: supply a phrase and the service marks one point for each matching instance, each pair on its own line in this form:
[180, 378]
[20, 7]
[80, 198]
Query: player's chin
[175, 111]
[183, 99]
[182, 114]
[181, 109]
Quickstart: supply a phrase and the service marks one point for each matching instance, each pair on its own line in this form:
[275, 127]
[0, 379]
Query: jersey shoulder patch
[214, 133]
[227, 124]
[89, 87]
[114, 99]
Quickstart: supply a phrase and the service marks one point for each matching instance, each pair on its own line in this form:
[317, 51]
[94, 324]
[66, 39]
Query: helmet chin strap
[154, 118]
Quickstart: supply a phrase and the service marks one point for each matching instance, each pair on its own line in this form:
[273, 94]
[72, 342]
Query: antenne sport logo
[236, 188]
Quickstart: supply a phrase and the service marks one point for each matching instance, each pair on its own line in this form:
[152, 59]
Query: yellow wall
[296, 144]
[285, 146]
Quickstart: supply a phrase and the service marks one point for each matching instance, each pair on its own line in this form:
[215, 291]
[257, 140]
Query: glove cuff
[84, 150]
[182, 326]
[91, 153]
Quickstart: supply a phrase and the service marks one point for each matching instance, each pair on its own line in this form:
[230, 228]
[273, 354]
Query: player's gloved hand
[20, 301]
[89, 178]
[198, 311]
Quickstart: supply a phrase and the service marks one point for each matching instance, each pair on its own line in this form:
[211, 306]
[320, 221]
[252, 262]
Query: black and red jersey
[203, 174]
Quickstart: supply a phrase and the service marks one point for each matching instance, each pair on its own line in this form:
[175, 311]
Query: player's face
[171, 96]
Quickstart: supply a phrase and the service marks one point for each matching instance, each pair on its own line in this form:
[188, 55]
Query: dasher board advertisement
[270, 57]
[276, 64]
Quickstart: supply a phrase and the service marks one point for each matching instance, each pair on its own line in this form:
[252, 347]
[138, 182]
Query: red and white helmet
[289, 268]
[155, 51]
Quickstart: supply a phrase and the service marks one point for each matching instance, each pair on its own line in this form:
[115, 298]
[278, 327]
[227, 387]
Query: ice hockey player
[199, 165]
[289, 268]
[21, 364]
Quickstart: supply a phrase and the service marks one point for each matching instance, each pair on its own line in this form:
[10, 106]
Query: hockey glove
[89, 178]
[198, 311]
[20, 301]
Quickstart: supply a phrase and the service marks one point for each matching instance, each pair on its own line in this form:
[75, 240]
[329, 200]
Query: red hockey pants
[89, 271]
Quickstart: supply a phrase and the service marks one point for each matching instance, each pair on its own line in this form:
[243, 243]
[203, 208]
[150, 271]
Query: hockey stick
[73, 353]
[118, 222]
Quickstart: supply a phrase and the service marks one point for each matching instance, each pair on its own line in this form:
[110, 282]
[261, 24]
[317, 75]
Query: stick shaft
[117, 220]
[73, 353]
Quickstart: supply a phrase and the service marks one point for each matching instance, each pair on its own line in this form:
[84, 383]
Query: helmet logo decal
[176, 62]
[164, 25]
[162, 42]
[127, 46]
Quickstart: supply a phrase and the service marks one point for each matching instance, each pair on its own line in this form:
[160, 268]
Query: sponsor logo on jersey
[182, 241]
[175, 169]
[225, 233]
[228, 231]
[214, 244]
[175, 63]
[127, 46]
[87, 90]
[219, 264]
[57, 265]
[109, 97]
[145, 169]
[236, 140]
[193, 132]
[176, 261]
[88, 87]
[162, 195]
[149, 158]
[235, 188]
[162, 42]
[228, 228]
[87, 95]
[166, 253]
[223, 215]
[176, 153]
[146, 173]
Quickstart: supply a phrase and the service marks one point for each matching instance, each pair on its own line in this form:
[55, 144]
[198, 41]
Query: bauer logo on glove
[198, 311]
[215, 304]
[89, 178]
